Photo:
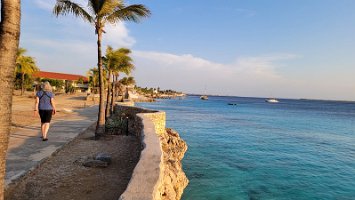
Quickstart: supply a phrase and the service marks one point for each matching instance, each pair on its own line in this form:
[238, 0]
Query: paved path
[27, 150]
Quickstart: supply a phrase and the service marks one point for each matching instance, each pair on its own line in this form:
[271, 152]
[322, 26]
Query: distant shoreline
[295, 99]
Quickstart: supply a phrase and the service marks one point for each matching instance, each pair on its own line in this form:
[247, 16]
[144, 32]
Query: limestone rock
[173, 180]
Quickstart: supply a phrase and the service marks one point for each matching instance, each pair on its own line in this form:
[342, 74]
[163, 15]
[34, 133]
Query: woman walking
[45, 107]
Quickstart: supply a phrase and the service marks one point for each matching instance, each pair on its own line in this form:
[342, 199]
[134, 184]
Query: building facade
[63, 82]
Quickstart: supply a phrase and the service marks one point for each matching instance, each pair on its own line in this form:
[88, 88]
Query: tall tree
[115, 61]
[24, 65]
[93, 75]
[125, 66]
[110, 62]
[9, 42]
[99, 13]
[127, 81]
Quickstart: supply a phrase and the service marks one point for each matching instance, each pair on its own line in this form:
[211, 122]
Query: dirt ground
[63, 176]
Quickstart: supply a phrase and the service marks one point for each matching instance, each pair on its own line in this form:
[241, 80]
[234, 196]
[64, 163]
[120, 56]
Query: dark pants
[46, 115]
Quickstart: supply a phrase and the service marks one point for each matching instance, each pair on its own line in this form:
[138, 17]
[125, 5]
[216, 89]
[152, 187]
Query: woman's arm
[53, 106]
[35, 109]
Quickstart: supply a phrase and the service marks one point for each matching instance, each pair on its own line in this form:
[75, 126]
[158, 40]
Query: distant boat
[232, 104]
[204, 97]
[272, 100]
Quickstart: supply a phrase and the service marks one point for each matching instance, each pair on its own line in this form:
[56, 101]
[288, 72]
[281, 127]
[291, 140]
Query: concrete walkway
[27, 150]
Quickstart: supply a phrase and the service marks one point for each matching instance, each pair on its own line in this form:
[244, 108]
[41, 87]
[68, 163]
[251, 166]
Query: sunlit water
[295, 149]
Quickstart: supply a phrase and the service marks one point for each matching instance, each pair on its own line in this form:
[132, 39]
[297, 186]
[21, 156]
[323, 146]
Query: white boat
[204, 97]
[273, 100]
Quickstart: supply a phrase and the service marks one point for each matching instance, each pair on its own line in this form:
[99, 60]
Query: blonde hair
[47, 87]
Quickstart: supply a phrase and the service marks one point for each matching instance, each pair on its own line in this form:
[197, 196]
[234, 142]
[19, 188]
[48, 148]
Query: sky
[254, 48]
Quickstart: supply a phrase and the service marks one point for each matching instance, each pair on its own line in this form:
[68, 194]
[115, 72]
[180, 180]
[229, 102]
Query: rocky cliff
[158, 174]
[172, 179]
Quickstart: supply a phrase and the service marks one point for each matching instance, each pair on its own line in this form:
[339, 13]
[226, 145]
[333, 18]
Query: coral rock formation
[172, 179]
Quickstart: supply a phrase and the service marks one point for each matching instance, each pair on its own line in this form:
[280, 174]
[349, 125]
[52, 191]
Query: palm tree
[24, 65]
[116, 61]
[128, 81]
[93, 75]
[9, 42]
[110, 62]
[99, 13]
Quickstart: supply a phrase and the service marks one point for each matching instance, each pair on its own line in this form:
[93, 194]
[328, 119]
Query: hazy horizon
[277, 48]
[268, 97]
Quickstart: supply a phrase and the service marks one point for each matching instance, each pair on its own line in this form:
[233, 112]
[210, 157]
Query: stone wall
[127, 110]
[159, 121]
[158, 174]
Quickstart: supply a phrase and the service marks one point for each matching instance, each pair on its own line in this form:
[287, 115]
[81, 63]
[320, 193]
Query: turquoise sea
[295, 149]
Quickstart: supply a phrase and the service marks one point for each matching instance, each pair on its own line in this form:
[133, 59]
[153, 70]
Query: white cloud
[64, 56]
[261, 64]
[189, 73]
[49, 4]
[45, 4]
[118, 36]
[247, 76]
[186, 61]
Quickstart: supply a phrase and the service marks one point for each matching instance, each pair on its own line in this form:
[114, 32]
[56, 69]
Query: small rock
[95, 163]
[105, 157]
[83, 159]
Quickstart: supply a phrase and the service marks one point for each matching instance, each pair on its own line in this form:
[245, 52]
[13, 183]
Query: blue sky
[280, 48]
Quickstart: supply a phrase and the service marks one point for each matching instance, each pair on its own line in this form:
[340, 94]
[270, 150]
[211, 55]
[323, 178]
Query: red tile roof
[59, 76]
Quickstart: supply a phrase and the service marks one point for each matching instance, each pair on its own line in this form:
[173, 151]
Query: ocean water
[295, 149]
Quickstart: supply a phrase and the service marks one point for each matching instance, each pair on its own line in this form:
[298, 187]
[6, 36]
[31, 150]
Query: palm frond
[108, 7]
[128, 69]
[124, 50]
[26, 64]
[127, 81]
[95, 6]
[21, 51]
[130, 13]
[109, 49]
[64, 7]
[118, 60]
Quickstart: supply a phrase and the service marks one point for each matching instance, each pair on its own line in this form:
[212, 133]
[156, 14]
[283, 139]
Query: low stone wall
[127, 109]
[158, 174]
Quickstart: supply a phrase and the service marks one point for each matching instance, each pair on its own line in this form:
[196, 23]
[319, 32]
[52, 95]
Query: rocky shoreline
[172, 180]
[159, 166]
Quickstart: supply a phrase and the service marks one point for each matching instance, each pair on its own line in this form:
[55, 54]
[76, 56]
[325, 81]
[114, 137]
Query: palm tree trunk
[113, 89]
[117, 83]
[116, 89]
[9, 41]
[100, 127]
[107, 110]
[22, 82]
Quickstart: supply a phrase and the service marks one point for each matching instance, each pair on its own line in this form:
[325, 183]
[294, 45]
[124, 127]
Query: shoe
[44, 139]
